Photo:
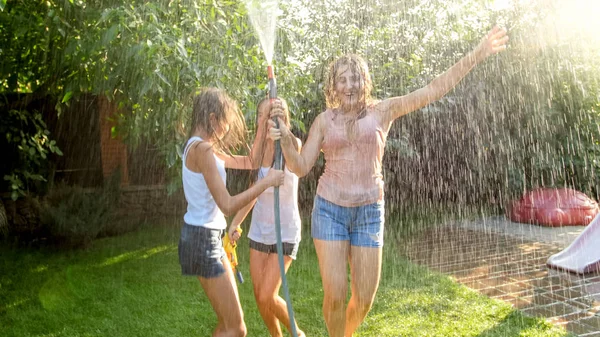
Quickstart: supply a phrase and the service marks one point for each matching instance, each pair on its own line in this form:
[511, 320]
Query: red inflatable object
[554, 207]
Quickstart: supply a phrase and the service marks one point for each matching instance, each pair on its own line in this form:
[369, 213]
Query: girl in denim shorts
[216, 126]
[264, 264]
[348, 211]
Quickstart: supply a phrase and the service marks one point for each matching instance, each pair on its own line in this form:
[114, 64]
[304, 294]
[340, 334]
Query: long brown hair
[226, 112]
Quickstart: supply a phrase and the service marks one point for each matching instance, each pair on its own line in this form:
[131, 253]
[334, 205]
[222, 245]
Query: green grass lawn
[132, 286]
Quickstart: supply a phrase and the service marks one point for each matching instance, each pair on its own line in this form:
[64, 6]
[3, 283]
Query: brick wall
[151, 202]
[113, 150]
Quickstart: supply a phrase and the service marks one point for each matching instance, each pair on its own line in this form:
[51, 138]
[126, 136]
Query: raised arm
[251, 162]
[258, 146]
[201, 160]
[392, 108]
[299, 163]
[236, 162]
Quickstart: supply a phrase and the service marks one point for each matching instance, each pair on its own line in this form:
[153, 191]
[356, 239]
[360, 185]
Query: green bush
[74, 217]
[26, 146]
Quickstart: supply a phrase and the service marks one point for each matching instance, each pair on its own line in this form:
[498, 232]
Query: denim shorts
[289, 249]
[201, 251]
[361, 225]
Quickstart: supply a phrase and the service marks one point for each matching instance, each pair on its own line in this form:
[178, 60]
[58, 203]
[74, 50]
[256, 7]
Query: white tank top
[262, 227]
[202, 210]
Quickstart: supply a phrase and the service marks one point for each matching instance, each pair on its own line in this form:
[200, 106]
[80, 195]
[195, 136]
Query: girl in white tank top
[216, 126]
[262, 226]
[263, 252]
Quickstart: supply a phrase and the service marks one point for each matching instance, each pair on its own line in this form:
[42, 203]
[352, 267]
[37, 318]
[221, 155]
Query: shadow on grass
[516, 324]
[129, 286]
[50, 277]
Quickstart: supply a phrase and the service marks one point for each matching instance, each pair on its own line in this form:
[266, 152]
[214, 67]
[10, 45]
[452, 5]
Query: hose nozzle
[272, 82]
[270, 72]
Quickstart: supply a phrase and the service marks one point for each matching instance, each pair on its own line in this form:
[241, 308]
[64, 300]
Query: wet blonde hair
[226, 112]
[357, 65]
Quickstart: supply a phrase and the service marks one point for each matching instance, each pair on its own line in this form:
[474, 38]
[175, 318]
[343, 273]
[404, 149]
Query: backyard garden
[96, 97]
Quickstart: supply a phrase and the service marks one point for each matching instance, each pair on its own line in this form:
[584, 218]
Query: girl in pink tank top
[352, 175]
[347, 219]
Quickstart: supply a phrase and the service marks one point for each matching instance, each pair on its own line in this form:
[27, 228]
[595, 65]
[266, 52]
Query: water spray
[278, 163]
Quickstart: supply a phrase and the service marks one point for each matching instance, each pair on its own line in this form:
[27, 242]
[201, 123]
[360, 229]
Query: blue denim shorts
[201, 251]
[289, 249]
[361, 225]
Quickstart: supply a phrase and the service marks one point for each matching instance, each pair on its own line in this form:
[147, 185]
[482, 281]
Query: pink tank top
[353, 169]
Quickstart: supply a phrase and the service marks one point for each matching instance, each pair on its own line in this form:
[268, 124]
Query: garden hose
[278, 165]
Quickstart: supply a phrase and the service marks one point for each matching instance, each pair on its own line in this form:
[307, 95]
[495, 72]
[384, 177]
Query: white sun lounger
[583, 254]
